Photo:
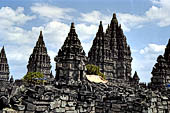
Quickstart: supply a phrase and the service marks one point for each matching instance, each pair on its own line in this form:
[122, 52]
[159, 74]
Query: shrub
[94, 70]
[102, 75]
[34, 77]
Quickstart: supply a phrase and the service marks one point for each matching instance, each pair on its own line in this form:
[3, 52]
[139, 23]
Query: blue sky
[146, 24]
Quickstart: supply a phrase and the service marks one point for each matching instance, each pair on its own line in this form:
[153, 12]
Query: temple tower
[70, 61]
[39, 60]
[120, 49]
[4, 68]
[113, 47]
[136, 78]
[161, 70]
[159, 73]
[100, 54]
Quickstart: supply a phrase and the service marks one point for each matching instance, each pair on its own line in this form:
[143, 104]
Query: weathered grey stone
[63, 103]
[30, 107]
[41, 108]
[4, 67]
[71, 104]
[19, 107]
[55, 104]
[39, 60]
[60, 110]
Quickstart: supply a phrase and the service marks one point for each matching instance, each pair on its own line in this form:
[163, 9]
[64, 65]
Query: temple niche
[161, 70]
[111, 52]
[4, 68]
[71, 59]
[39, 60]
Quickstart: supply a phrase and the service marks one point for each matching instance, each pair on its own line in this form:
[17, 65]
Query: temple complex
[161, 70]
[71, 59]
[72, 91]
[39, 60]
[111, 52]
[4, 68]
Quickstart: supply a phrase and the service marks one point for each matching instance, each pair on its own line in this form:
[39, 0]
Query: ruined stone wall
[85, 97]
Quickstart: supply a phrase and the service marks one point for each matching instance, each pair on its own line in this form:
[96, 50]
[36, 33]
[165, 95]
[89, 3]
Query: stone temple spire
[114, 22]
[39, 60]
[11, 79]
[167, 52]
[70, 61]
[161, 70]
[72, 44]
[40, 40]
[112, 48]
[4, 68]
[136, 78]
[3, 52]
[100, 30]
[72, 28]
[100, 53]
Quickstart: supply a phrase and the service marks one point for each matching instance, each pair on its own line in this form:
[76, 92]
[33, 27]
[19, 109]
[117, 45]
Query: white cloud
[128, 21]
[16, 53]
[54, 33]
[160, 12]
[143, 66]
[95, 17]
[144, 60]
[18, 58]
[20, 42]
[51, 12]
[9, 17]
[86, 32]
[87, 46]
[17, 35]
[153, 49]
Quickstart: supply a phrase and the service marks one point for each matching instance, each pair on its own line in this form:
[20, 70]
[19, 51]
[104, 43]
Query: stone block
[8, 110]
[63, 104]
[29, 111]
[71, 112]
[56, 103]
[41, 108]
[30, 107]
[60, 110]
[19, 107]
[64, 97]
[20, 111]
[71, 103]
[69, 108]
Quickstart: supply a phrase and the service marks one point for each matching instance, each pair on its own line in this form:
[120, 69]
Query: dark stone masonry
[39, 60]
[110, 52]
[71, 59]
[161, 70]
[4, 68]
[72, 92]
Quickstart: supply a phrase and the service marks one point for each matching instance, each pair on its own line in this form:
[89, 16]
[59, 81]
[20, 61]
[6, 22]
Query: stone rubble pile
[85, 97]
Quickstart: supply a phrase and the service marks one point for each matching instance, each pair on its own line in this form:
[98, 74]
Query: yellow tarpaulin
[96, 79]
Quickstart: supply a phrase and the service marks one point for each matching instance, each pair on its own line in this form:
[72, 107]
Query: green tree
[34, 77]
[94, 70]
